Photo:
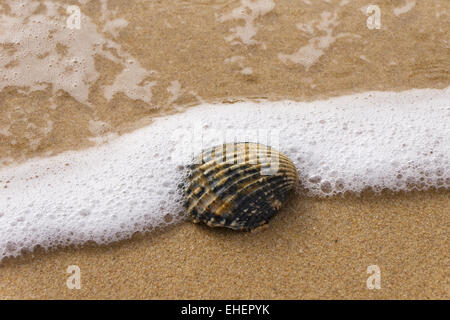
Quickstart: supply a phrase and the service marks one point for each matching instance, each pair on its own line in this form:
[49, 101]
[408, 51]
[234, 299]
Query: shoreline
[106, 193]
[64, 89]
[315, 248]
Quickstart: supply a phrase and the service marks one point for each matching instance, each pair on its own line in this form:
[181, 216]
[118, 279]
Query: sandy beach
[313, 249]
[159, 58]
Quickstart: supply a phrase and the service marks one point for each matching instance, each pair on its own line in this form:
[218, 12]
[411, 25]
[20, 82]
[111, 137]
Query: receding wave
[377, 140]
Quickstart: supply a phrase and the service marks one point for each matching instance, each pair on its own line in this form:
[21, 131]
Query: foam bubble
[398, 141]
[249, 11]
[310, 53]
[37, 50]
[408, 6]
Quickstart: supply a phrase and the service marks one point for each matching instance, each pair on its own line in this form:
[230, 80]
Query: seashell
[238, 185]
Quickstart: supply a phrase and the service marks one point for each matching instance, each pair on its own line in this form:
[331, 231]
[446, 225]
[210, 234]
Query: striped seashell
[238, 185]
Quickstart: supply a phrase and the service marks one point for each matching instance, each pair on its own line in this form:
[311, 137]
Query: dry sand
[315, 248]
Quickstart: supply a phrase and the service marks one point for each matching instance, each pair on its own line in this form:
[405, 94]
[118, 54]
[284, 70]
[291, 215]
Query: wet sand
[315, 248]
[186, 48]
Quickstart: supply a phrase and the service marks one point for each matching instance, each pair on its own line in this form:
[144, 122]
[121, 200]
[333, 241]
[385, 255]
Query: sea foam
[399, 141]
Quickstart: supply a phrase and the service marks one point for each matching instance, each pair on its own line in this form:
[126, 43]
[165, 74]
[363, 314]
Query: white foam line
[106, 193]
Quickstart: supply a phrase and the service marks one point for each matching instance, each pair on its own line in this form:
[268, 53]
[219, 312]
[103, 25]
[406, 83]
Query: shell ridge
[238, 185]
